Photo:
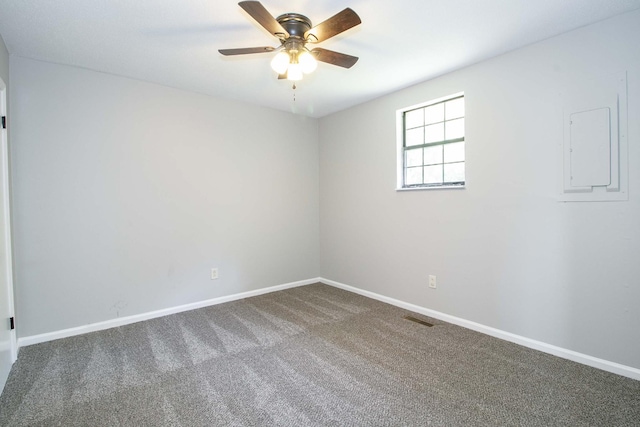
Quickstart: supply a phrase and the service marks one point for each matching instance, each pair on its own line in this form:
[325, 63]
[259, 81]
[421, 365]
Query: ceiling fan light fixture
[294, 31]
[307, 62]
[280, 62]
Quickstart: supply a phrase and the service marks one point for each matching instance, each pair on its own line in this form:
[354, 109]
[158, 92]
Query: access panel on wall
[594, 150]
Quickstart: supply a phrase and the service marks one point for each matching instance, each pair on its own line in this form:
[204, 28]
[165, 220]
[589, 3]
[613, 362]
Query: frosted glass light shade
[307, 62]
[294, 72]
[280, 62]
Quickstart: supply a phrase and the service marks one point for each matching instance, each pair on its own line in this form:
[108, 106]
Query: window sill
[442, 187]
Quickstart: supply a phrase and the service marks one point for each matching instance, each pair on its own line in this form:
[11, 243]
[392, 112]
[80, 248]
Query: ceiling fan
[294, 32]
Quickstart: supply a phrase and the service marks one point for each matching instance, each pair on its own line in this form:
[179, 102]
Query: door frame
[5, 205]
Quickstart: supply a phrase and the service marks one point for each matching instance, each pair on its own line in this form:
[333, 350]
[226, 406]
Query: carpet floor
[308, 356]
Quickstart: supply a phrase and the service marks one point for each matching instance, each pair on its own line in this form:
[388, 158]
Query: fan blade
[335, 58]
[282, 76]
[264, 18]
[338, 23]
[246, 50]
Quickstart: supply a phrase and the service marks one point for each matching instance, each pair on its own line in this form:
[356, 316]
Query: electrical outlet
[214, 273]
[432, 281]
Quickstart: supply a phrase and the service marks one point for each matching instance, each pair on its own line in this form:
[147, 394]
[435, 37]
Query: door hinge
[12, 323]
[4, 122]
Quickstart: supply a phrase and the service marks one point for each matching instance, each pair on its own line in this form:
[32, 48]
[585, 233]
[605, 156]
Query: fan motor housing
[295, 24]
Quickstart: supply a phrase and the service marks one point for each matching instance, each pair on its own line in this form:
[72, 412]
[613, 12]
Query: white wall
[127, 193]
[505, 252]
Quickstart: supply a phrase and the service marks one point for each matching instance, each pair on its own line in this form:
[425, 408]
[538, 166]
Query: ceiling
[175, 42]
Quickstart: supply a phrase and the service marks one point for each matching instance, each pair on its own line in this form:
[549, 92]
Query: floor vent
[415, 319]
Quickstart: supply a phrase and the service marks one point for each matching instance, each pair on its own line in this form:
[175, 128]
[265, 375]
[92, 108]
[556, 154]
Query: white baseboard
[584, 359]
[595, 362]
[121, 321]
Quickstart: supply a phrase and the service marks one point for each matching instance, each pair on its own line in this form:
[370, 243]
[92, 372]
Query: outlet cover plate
[432, 281]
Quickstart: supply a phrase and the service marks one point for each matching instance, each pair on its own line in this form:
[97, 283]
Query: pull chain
[294, 92]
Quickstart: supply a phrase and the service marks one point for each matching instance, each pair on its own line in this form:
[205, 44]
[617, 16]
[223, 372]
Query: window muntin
[433, 145]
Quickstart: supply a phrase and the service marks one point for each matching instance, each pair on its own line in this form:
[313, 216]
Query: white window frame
[400, 138]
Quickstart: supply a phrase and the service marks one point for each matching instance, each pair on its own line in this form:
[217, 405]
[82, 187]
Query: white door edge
[5, 205]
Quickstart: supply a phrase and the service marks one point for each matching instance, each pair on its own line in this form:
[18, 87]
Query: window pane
[434, 114]
[433, 155]
[454, 109]
[434, 133]
[433, 174]
[429, 155]
[455, 129]
[414, 137]
[454, 172]
[414, 176]
[413, 119]
[454, 152]
[414, 157]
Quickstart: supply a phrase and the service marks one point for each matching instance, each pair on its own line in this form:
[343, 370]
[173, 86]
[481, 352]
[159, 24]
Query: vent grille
[420, 321]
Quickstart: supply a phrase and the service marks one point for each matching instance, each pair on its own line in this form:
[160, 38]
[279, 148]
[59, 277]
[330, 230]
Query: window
[431, 151]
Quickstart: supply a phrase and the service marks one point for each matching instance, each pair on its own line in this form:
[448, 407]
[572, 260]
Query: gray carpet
[313, 355]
